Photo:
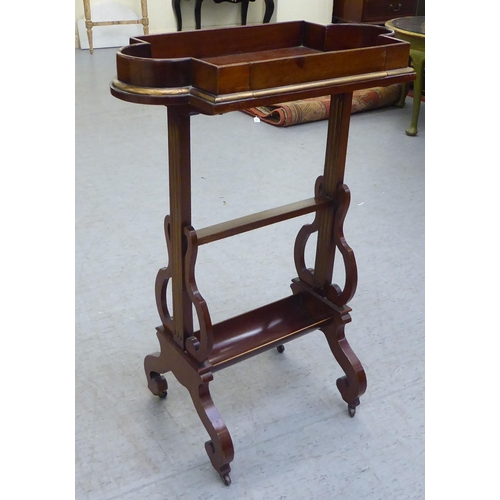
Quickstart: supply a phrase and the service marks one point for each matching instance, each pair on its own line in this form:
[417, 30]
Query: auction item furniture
[222, 70]
[244, 11]
[412, 30]
[372, 11]
[89, 24]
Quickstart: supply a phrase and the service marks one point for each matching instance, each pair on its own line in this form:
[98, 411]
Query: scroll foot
[353, 384]
[220, 448]
[154, 367]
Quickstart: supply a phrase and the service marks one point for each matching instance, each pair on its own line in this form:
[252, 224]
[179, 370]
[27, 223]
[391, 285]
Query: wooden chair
[89, 24]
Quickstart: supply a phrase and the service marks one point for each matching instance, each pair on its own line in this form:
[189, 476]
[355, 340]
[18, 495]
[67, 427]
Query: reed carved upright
[223, 70]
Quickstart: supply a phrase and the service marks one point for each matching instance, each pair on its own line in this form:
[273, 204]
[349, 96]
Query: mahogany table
[176, 4]
[223, 70]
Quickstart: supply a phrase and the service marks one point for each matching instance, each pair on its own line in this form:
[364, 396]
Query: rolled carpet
[286, 114]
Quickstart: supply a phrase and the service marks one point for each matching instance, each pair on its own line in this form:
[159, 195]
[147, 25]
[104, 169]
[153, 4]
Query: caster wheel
[162, 395]
[280, 348]
[351, 410]
[226, 479]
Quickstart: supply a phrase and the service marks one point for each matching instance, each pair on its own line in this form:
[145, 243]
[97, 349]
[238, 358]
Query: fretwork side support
[179, 158]
[336, 151]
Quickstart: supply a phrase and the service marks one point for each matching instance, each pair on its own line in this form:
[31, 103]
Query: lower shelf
[246, 335]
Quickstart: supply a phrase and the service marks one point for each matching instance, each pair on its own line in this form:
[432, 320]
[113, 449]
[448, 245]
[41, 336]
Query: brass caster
[226, 479]
[280, 348]
[351, 410]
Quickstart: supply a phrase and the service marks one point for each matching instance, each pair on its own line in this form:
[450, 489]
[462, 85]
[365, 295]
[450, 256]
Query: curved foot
[412, 131]
[353, 384]
[280, 348]
[226, 479]
[220, 448]
[157, 384]
[154, 366]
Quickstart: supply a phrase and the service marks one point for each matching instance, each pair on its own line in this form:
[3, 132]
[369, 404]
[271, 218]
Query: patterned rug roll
[286, 114]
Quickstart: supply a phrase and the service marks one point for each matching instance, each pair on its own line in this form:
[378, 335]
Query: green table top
[413, 24]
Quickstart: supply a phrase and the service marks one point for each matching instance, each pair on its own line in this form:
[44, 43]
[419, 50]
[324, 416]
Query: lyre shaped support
[199, 346]
[162, 281]
[333, 292]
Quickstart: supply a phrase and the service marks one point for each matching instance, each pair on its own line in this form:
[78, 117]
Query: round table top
[414, 25]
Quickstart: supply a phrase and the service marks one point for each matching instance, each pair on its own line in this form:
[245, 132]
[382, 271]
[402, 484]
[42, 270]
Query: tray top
[220, 70]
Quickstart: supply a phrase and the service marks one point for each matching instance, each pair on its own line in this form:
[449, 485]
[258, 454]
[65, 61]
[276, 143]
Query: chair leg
[197, 14]
[176, 4]
[244, 11]
[269, 10]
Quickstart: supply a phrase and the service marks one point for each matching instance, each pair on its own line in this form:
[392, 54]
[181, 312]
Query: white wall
[315, 11]
[162, 19]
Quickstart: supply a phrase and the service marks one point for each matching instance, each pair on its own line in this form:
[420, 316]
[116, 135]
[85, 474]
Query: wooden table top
[220, 70]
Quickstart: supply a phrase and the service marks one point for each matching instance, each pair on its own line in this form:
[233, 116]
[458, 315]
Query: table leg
[418, 59]
[176, 4]
[197, 14]
[179, 151]
[336, 152]
[269, 10]
[244, 11]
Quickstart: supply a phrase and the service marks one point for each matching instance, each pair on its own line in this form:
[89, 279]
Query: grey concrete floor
[292, 435]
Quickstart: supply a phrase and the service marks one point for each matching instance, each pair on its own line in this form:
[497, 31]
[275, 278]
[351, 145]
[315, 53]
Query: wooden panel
[253, 332]
[216, 80]
[261, 55]
[315, 67]
[314, 36]
[216, 42]
[374, 11]
[348, 10]
[383, 10]
[397, 54]
[349, 36]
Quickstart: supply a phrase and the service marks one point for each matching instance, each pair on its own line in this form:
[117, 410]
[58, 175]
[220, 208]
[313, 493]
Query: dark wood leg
[220, 448]
[176, 333]
[195, 377]
[329, 226]
[333, 177]
[155, 365]
[244, 11]
[197, 13]
[331, 239]
[353, 385]
[269, 10]
[179, 150]
[176, 4]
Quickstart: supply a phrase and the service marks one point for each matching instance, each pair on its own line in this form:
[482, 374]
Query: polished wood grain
[222, 70]
[372, 11]
[225, 70]
[261, 219]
